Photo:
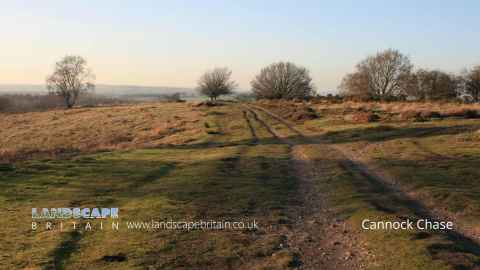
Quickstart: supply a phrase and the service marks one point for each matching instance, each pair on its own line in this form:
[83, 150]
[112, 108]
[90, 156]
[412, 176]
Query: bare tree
[283, 80]
[70, 79]
[356, 85]
[432, 85]
[471, 80]
[384, 75]
[216, 83]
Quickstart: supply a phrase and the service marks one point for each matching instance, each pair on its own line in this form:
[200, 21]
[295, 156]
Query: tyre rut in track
[250, 127]
[316, 235]
[386, 186]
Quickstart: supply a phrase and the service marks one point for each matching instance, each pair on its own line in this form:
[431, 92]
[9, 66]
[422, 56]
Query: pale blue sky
[170, 43]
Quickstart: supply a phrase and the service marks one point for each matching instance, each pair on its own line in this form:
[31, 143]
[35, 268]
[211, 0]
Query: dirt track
[317, 236]
[321, 240]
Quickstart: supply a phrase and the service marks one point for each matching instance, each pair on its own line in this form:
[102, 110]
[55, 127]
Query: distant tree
[216, 83]
[356, 85]
[431, 85]
[471, 80]
[4, 103]
[70, 79]
[283, 80]
[382, 76]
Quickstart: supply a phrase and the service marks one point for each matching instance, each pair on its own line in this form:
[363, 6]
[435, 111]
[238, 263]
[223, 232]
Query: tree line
[389, 75]
[385, 76]
[282, 80]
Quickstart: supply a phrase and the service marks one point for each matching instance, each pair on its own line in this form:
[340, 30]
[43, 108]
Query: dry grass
[230, 167]
[224, 177]
[399, 111]
[97, 129]
[400, 107]
[296, 111]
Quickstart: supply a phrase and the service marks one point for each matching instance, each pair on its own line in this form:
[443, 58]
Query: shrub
[362, 117]
[29, 103]
[415, 116]
[430, 114]
[465, 113]
[283, 80]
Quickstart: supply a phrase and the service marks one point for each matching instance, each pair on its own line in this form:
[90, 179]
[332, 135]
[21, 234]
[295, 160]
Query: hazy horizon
[111, 90]
[170, 44]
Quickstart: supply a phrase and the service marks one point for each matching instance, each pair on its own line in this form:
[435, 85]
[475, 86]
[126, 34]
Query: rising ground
[308, 180]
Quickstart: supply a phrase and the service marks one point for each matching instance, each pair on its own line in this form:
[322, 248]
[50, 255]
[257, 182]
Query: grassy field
[57, 132]
[435, 161]
[353, 196]
[212, 179]
[177, 161]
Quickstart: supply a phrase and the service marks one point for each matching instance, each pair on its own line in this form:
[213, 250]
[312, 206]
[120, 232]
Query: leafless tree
[471, 79]
[383, 76]
[283, 80]
[432, 85]
[216, 83]
[70, 79]
[356, 85]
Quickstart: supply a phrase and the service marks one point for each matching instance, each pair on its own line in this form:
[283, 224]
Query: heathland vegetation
[397, 144]
[297, 176]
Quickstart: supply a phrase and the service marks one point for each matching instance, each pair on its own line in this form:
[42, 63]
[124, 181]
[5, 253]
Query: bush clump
[464, 113]
[295, 111]
[362, 117]
[414, 116]
[430, 115]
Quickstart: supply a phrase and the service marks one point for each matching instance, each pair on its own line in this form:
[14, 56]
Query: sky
[171, 43]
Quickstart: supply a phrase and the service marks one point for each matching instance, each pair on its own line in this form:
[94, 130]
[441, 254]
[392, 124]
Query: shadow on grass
[162, 171]
[235, 185]
[62, 253]
[369, 134]
[385, 133]
[455, 249]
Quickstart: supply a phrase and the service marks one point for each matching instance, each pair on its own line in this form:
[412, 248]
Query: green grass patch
[214, 181]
